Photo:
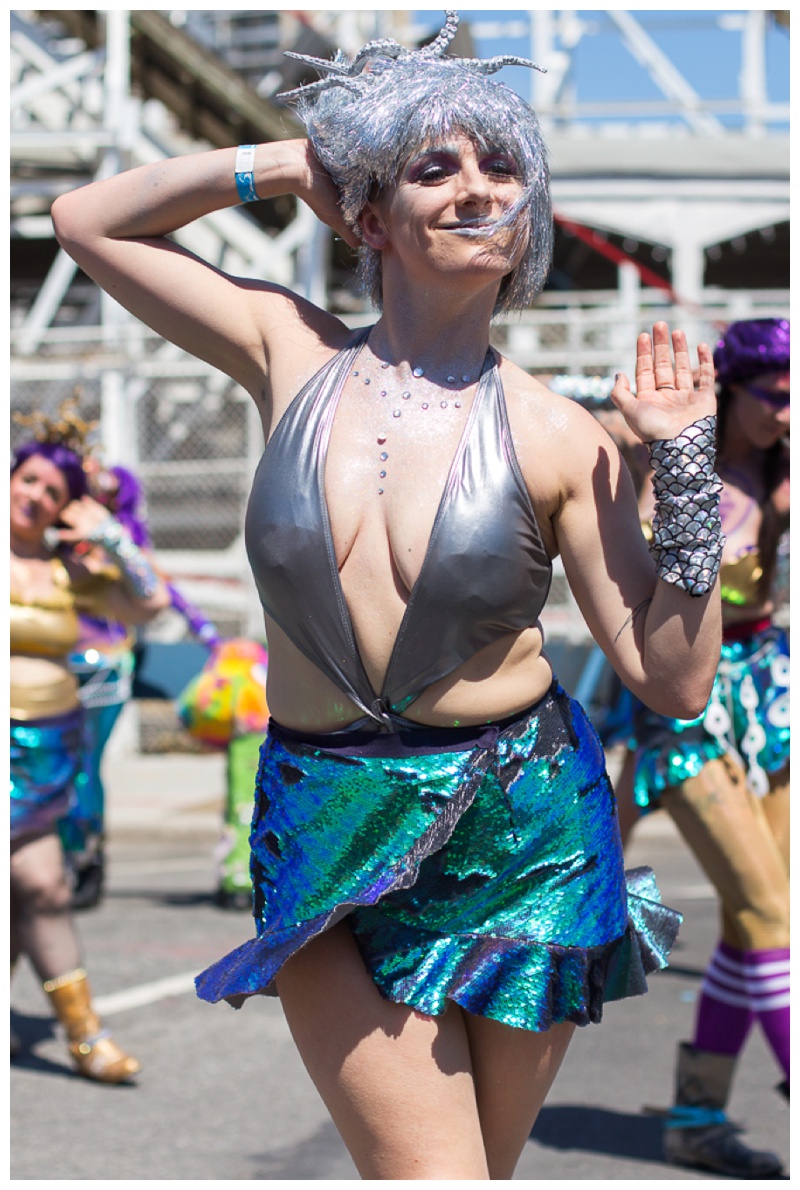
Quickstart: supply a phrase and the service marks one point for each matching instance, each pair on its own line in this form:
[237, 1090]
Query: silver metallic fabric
[117, 542]
[687, 530]
[484, 574]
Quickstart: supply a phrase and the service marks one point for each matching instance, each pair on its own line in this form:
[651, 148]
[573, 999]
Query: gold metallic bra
[46, 630]
[739, 580]
[47, 626]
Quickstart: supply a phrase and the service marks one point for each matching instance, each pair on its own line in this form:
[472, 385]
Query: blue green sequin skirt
[747, 718]
[486, 871]
[44, 755]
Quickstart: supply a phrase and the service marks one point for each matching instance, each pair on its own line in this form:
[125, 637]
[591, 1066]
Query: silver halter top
[485, 572]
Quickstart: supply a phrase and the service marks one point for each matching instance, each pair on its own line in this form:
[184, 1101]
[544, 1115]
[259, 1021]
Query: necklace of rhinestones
[448, 395]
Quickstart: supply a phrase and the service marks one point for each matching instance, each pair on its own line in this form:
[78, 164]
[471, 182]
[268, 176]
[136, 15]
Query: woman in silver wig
[438, 885]
[364, 134]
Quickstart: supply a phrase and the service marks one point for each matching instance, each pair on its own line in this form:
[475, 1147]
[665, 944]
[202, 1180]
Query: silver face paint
[369, 116]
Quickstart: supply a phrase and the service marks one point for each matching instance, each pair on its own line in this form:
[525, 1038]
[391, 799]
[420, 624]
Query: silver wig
[368, 115]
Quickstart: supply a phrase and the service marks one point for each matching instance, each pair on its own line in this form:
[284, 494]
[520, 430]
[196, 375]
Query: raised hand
[80, 517]
[316, 187]
[667, 399]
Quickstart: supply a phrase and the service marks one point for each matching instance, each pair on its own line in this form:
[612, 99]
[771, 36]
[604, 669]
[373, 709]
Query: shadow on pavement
[322, 1150]
[599, 1130]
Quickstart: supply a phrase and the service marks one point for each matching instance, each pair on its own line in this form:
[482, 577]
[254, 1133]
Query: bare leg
[776, 812]
[400, 1086]
[514, 1070]
[728, 831]
[40, 899]
[628, 812]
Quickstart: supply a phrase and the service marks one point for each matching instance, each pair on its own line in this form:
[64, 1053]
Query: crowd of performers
[723, 777]
[77, 596]
[69, 556]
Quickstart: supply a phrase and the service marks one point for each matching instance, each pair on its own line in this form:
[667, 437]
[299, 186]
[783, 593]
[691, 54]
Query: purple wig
[68, 463]
[750, 347]
[124, 504]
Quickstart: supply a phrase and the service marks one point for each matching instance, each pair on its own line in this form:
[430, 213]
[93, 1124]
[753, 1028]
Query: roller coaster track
[211, 101]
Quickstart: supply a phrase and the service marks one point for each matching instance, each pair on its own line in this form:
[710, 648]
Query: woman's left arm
[656, 619]
[140, 592]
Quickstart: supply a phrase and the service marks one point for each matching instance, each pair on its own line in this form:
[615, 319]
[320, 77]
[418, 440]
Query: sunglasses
[776, 400]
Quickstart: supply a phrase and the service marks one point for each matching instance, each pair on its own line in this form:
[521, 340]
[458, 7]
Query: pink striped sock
[724, 1014]
[768, 983]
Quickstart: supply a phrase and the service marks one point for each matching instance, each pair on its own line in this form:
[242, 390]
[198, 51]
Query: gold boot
[93, 1050]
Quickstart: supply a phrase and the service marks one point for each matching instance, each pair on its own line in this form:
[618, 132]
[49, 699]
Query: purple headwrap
[750, 347]
[68, 463]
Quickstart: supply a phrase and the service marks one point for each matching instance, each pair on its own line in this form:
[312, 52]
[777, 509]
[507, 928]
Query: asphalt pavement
[223, 1096]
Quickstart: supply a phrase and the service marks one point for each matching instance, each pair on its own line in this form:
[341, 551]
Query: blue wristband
[243, 173]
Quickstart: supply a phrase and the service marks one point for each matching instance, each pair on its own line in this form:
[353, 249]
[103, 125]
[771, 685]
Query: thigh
[398, 1085]
[513, 1072]
[727, 829]
[776, 812]
[627, 810]
[37, 872]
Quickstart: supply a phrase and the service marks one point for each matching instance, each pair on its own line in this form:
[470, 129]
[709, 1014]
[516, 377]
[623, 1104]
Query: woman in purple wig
[724, 776]
[103, 662]
[51, 514]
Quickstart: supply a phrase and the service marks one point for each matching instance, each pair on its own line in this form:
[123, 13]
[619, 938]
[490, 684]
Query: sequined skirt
[44, 756]
[747, 717]
[487, 871]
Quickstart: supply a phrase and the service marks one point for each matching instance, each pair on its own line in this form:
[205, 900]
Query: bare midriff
[505, 677]
[41, 688]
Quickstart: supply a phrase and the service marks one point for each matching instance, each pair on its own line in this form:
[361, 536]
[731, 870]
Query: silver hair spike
[369, 114]
[343, 72]
[492, 65]
[444, 36]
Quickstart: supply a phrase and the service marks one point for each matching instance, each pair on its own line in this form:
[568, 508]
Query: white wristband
[243, 173]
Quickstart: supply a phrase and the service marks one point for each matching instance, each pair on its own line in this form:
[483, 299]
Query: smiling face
[449, 213]
[366, 134]
[39, 493]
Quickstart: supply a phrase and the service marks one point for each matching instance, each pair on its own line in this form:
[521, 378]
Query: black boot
[697, 1132]
[86, 871]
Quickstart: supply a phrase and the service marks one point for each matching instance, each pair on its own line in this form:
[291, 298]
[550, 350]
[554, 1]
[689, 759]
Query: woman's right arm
[116, 230]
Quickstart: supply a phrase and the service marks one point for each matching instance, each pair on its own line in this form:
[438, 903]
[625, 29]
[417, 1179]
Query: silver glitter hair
[369, 115]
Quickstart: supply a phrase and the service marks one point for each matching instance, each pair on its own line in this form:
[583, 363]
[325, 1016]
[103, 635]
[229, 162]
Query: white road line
[145, 993]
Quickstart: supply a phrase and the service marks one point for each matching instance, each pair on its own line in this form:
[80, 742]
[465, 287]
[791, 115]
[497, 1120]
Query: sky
[703, 44]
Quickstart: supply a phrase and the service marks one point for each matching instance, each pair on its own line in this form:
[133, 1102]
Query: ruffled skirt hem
[491, 877]
[521, 982]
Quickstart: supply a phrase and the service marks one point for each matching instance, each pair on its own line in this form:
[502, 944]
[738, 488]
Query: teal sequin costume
[747, 716]
[480, 866]
[44, 756]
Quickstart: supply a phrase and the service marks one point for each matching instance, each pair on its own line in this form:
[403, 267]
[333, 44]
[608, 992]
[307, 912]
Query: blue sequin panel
[492, 877]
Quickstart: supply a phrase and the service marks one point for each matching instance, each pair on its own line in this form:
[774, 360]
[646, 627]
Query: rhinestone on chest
[452, 401]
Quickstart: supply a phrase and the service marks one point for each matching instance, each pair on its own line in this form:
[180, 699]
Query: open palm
[667, 399]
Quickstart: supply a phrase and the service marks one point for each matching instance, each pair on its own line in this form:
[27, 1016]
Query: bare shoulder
[558, 442]
[299, 338]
